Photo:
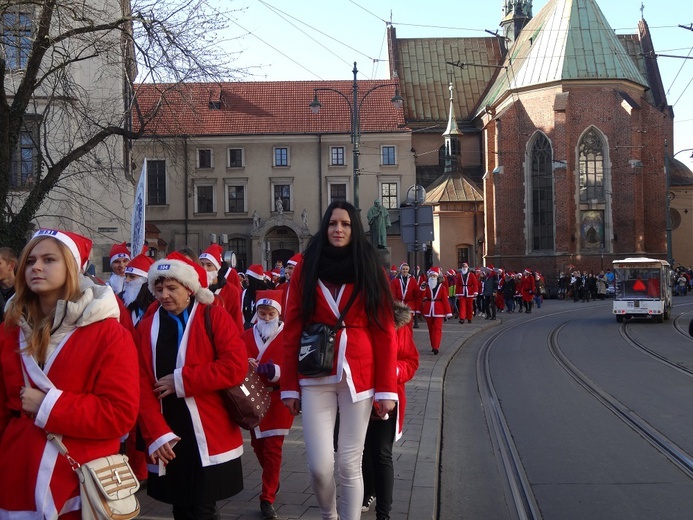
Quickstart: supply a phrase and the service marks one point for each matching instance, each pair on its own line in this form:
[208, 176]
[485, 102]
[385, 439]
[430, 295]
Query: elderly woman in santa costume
[435, 306]
[265, 349]
[194, 446]
[67, 367]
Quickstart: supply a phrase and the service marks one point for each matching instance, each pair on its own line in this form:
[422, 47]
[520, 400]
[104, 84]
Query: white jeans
[320, 404]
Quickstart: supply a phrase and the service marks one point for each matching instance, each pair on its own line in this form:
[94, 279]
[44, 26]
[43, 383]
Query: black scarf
[336, 265]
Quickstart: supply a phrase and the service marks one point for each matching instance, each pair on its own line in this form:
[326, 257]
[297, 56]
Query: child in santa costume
[119, 259]
[222, 281]
[66, 367]
[435, 306]
[264, 345]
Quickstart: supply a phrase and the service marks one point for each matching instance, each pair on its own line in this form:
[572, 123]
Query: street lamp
[355, 105]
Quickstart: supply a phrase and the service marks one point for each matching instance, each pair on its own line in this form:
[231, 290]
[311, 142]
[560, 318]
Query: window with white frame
[389, 194]
[337, 191]
[281, 191]
[236, 158]
[204, 197]
[337, 156]
[388, 155]
[281, 156]
[156, 182]
[205, 158]
[15, 39]
[236, 198]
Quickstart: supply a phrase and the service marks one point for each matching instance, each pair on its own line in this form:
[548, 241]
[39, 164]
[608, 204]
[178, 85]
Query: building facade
[249, 166]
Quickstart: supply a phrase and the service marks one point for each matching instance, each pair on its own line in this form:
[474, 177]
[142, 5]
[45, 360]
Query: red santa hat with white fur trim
[294, 260]
[256, 271]
[270, 297]
[213, 253]
[184, 271]
[139, 266]
[434, 270]
[79, 246]
[119, 251]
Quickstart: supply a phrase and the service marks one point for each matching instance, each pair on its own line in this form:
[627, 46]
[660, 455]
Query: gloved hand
[267, 370]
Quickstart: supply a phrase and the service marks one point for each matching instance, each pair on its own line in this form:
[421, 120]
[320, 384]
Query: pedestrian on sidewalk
[185, 359]
[466, 290]
[378, 470]
[264, 345]
[435, 306]
[340, 262]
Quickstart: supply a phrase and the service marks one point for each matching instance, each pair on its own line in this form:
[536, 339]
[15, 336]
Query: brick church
[550, 149]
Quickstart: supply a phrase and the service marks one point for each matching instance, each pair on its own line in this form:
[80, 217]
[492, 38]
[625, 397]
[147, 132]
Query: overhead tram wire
[277, 50]
[317, 30]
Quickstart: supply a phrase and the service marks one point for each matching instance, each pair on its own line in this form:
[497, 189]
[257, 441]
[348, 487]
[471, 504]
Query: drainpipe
[320, 208]
[186, 174]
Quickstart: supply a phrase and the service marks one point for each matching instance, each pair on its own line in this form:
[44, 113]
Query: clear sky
[311, 39]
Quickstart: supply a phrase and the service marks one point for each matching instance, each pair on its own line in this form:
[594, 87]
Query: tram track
[678, 456]
[628, 337]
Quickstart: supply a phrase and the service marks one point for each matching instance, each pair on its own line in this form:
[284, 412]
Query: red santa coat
[201, 370]
[229, 297]
[527, 287]
[466, 286]
[406, 291]
[365, 353]
[435, 303]
[407, 364]
[278, 420]
[92, 394]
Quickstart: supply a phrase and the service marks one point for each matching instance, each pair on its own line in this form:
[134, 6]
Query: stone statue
[279, 205]
[304, 218]
[256, 220]
[378, 220]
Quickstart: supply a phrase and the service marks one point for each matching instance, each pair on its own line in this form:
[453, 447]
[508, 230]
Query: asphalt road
[578, 446]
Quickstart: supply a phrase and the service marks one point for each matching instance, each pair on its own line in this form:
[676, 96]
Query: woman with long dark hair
[339, 263]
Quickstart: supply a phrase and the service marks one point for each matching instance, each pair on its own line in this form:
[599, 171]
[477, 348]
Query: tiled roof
[252, 108]
[566, 40]
[453, 187]
[422, 67]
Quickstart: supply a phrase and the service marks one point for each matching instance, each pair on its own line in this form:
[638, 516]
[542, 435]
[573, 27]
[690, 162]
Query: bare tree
[68, 70]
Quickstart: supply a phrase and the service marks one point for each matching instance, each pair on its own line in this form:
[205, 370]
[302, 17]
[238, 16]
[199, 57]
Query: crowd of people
[464, 294]
[137, 364]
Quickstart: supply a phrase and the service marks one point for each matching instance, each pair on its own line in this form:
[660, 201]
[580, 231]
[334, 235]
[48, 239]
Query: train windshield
[638, 283]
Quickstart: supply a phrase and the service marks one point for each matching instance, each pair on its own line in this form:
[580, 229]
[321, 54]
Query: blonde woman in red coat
[340, 262]
[193, 445]
[264, 346]
[66, 367]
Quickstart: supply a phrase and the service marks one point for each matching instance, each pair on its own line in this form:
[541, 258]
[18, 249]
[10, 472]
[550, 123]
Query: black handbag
[316, 353]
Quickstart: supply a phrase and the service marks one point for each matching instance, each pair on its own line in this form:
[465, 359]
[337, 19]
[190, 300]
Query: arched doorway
[282, 243]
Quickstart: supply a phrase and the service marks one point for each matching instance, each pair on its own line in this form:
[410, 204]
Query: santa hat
[465, 264]
[183, 270]
[403, 264]
[213, 253]
[79, 246]
[434, 270]
[276, 272]
[271, 298]
[256, 271]
[119, 251]
[293, 261]
[527, 270]
[451, 272]
[139, 265]
[393, 268]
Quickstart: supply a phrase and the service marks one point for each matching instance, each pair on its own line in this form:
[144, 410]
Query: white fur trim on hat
[211, 258]
[181, 272]
[269, 302]
[135, 271]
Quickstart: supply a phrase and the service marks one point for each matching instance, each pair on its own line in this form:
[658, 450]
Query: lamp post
[355, 104]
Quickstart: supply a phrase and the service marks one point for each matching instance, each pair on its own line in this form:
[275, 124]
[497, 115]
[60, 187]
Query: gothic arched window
[542, 195]
[591, 164]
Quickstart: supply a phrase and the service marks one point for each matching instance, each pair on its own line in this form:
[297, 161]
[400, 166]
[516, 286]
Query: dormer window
[215, 97]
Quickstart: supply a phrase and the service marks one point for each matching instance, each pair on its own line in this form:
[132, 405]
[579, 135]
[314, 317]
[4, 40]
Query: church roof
[453, 187]
[567, 40]
[421, 65]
